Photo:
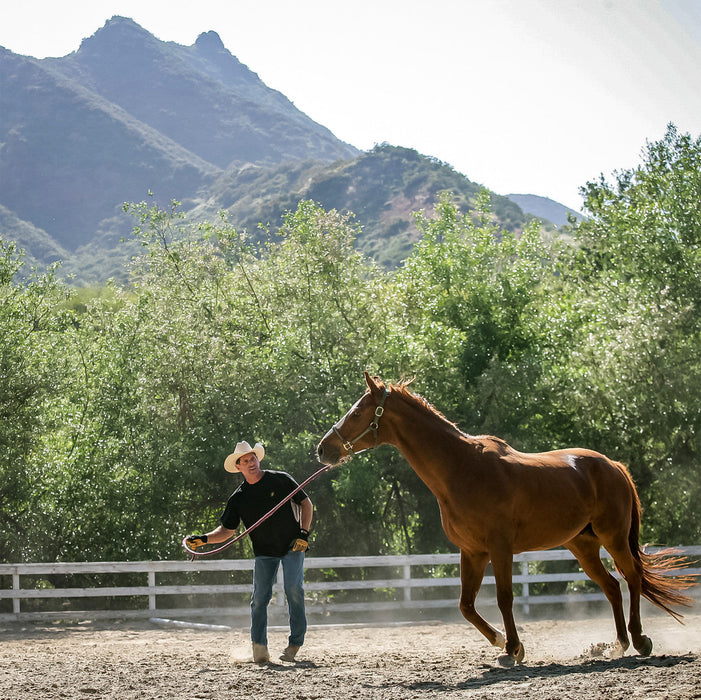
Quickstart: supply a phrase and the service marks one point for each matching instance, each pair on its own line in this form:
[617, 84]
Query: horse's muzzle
[326, 451]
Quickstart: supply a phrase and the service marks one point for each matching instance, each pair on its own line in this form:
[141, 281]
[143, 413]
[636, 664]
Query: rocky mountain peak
[209, 42]
[115, 33]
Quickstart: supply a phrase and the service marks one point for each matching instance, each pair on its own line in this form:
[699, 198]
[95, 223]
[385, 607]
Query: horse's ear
[374, 383]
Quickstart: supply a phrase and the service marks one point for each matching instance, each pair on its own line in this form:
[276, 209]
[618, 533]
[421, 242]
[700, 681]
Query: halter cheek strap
[374, 425]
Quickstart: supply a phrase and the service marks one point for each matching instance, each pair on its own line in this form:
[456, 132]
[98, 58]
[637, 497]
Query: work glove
[301, 542]
[196, 541]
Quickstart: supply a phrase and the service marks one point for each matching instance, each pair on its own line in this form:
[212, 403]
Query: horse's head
[358, 429]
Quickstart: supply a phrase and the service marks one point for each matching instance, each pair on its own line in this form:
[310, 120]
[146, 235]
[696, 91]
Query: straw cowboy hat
[243, 448]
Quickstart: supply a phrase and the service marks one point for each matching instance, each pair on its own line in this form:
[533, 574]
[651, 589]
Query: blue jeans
[264, 575]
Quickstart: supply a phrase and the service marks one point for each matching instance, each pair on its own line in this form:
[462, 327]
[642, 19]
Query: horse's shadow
[493, 674]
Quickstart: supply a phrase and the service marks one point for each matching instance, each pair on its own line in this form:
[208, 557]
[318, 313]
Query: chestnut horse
[496, 502]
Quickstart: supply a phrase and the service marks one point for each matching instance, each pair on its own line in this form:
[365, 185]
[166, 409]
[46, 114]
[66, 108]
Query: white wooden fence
[393, 592]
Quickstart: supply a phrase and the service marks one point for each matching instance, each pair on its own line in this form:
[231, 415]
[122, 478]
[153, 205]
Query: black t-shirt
[250, 502]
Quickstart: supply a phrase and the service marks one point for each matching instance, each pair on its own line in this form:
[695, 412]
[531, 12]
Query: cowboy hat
[243, 448]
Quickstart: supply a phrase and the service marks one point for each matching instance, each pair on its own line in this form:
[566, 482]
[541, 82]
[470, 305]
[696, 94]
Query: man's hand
[196, 541]
[301, 542]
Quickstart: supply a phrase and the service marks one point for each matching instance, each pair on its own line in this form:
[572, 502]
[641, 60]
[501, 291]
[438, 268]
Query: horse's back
[594, 466]
[550, 497]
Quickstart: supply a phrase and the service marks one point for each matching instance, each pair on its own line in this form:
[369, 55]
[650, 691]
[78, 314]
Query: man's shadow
[291, 666]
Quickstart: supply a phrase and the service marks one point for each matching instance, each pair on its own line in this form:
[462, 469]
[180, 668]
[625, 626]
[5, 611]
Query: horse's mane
[403, 389]
[482, 441]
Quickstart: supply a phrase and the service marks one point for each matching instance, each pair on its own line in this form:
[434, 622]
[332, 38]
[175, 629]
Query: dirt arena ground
[148, 660]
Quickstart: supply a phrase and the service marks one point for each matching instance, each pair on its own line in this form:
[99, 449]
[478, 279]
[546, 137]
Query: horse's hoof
[506, 660]
[510, 660]
[645, 649]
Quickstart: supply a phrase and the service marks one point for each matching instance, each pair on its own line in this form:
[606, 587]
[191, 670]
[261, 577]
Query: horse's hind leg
[472, 568]
[585, 548]
[631, 570]
[503, 563]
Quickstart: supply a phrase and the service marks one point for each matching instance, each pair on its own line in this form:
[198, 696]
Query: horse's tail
[659, 585]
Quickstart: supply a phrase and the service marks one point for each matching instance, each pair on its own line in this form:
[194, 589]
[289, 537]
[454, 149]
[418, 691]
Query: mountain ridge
[545, 208]
[127, 116]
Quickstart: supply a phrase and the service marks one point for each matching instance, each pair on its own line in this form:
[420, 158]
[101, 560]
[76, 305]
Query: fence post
[407, 579]
[152, 593]
[15, 587]
[525, 587]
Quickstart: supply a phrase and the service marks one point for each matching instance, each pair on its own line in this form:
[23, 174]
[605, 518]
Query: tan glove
[301, 542]
[195, 541]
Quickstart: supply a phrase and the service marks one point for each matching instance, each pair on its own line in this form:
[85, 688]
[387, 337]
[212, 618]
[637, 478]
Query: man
[282, 538]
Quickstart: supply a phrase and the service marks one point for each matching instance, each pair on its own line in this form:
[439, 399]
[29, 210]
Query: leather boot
[260, 653]
[289, 653]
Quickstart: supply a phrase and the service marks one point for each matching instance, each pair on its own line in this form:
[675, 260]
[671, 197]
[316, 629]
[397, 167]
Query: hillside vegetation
[382, 188]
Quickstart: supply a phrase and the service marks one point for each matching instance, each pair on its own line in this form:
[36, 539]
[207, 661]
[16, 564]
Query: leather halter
[374, 425]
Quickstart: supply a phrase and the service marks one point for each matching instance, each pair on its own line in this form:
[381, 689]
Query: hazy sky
[522, 96]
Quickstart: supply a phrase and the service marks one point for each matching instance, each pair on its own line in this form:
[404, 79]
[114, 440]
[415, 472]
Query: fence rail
[390, 591]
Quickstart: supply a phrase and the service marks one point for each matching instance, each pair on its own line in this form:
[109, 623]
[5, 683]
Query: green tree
[255, 341]
[469, 301]
[32, 322]
[646, 226]
[624, 372]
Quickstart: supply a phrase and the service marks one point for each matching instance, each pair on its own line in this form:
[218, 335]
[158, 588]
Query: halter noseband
[374, 425]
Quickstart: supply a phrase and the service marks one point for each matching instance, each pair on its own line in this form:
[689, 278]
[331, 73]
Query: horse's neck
[429, 443]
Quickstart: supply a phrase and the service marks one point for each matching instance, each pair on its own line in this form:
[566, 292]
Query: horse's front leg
[472, 566]
[502, 563]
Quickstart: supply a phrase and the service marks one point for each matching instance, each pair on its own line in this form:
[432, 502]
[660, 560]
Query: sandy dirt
[147, 660]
